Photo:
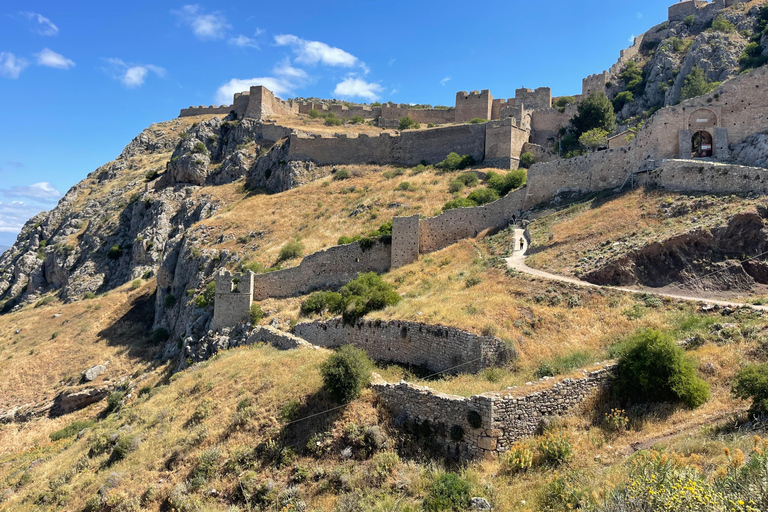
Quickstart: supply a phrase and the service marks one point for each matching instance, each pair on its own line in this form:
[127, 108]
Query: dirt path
[517, 262]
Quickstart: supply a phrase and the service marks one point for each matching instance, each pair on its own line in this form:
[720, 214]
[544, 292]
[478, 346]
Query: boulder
[91, 373]
[479, 504]
[73, 399]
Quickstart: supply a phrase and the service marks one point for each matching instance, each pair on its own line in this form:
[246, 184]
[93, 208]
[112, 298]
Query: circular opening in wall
[474, 419]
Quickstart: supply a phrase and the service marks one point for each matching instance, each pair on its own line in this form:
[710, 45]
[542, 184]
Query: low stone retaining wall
[434, 347]
[489, 423]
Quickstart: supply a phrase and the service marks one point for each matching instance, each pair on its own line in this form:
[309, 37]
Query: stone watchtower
[473, 105]
[234, 296]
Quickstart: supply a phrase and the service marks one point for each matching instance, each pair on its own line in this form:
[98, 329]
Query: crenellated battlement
[699, 9]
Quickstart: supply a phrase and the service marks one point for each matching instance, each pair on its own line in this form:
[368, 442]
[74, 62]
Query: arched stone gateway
[701, 144]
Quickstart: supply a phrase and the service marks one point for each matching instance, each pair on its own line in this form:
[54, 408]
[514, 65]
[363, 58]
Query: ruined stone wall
[504, 144]
[546, 124]
[540, 153]
[460, 223]
[233, 298]
[405, 240]
[434, 347]
[503, 417]
[432, 115]
[262, 104]
[342, 149]
[276, 338]
[331, 268]
[534, 99]
[594, 83]
[498, 104]
[680, 10]
[473, 105]
[201, 110]
[713, 177]
[626, 55]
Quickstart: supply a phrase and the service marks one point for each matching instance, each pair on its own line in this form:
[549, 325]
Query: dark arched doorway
[701, 144]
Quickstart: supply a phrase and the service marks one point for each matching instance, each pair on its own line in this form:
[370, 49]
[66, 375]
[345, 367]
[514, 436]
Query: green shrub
[169, 301]
[314, 114]
[404, 186]
[477, 120]
[291, 250]
[527, 159]
[455, 186]
[45, 301]
[468, 179]
[89, 295]
[689, 20]
[115, 252]
[124, 446]
[368, 292]
[652, 367]
[752, 57]
[483, 196]
[345, 373]
[752, 383]
[454, 162]
[622, 99]
[720, 24]
[208, 297]
[320, 302]
[160, 335]
[450, 493]
[519, 458]
[333, 121]
[114, 400]
[199, 147]
[255, 314]
[151, 175]
[407, 123]
[136, 284]
[341, 174]
[696, 84]
[430, 125]
[461, 202]
[504, 183]
[71, 429]
[357, 120]
[555, 448]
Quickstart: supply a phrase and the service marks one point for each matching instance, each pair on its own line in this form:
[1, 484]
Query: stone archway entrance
[701, 144]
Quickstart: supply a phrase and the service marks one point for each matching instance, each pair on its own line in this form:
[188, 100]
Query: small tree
[696, 84]
[345, 373]
[527, 159]
[483, 196]
[594, 138]
[594, 112]
[632, 76]
[407, 123]
[720, 24]
[368, 292]
[255, 314]
[622, 99]
[752, 383]
[292, 249]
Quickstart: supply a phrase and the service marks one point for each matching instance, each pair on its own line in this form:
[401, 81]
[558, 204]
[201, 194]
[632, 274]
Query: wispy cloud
[258, 32]
[243, 41]
[11, 66]
[20, 203]
[205, 25]
[639, 15]
[279, 86]
[43, 25]
[132, 75]
[42, 191]
[445, 80]
[354, 87]
[51, 59]
[316, 52]
[391, 62]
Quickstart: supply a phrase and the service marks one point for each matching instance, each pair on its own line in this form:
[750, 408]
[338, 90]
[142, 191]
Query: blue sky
[79, 79]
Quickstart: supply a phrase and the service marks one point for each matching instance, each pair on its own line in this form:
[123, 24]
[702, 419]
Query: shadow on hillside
[132, 330]
[312, 418]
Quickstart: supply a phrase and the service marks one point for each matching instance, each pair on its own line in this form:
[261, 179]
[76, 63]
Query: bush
[169, 301]
[504, 183]
[407, 123]
[404, 186]
[468, 179]
[199, 147]
[345, 373]
[622, 99]
[320, 302]
[652, 367]
[357, 120]
[255, 314]
[461, 202]
[208, 297]
[151, 175]
[71, 429]
[114, 400]
[341, 174]
[122, 448]
[555, 448]
[527, 159]
[115, 252]
[752, 383]
[368, 292]
[455, 186]
[520, 458]
[696, 84]
[720, 24]
[483, 196]
[291, 250]
[314, 114]
[454, 162]
[752, 57]
[689, 20]
[449, 492]
[333, 121]
[596, 111]
[477, 120]
[160, 335]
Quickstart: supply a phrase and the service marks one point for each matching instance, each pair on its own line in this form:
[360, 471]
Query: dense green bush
[150, 175]
[331, 120]
[407, 123]
[71, 429]
[483, 196]
[696, 84]
[346, 373]
[255, 314]
[720, 24]
[689, 20]
[114, 400]
[160, 335]
[652, 367]
[115, 252]
[449, 493]
[461, 202]
[314, 114]
[477, 120]
[169, 301]
[341, 174]
[752, 383]
[368, 292]
[292, 249]
[752, 57]
[199, 147]
[357, 120]
[596, 111]
[404, 186]
[504, 183]
[207, 297]
[527, 159]
[632, 76]
[622, 99]
[455, 186]
[321, 302]
[454, 162]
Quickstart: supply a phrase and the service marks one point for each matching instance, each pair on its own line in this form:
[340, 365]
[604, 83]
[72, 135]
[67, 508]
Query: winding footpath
[517, 262]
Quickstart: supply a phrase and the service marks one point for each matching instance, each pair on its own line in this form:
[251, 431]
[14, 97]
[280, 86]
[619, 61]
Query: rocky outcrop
[753, 151]
[75, 399]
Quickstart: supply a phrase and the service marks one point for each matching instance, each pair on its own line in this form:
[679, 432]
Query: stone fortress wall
[434, 347]
[233, 298]
[490, 422]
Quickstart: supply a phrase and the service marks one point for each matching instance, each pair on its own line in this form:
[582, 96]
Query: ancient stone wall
[432, 115]
[263, 104]
[331, 268]
[594, 83]
[460, 223]
[491, 422]
[434, 347]
[713, 177]
[504, 143]
[534, 99]
[276, 338]
[546, 124]
[342, 149]
[405, 240]
[201, 110]
[233, 298]
[473, 105]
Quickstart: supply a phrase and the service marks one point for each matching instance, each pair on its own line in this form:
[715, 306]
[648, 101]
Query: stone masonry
[233, 298]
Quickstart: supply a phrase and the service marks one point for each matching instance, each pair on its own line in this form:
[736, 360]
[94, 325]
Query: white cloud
[258, 32]
[10, 65]
[288, 72]
[315, 52]
[52, 59]
[243, 41]
[632, 39]
[42, 191]
[356, 87]
[24, 202]
[445, 80]
[391, 61]
[132, 75]
[44, 26]
[205, 26]
[279, 86]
